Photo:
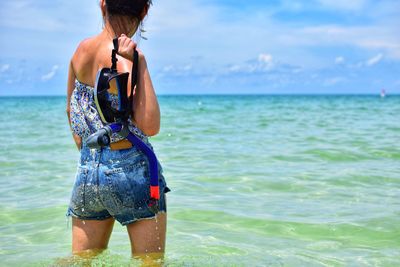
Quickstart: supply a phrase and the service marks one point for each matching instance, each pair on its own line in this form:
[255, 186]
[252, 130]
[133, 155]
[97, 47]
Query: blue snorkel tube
[116, 119]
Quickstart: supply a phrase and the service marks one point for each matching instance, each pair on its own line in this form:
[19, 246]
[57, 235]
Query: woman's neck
[113, 32]
[108, 34]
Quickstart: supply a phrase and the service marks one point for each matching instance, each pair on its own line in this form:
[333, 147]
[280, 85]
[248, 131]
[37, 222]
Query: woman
[112, 183]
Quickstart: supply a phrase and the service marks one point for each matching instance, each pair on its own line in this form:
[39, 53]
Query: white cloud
[177, 70]
[265, 58]
[222, 34]
[367, 37]
[51, 74]
[292, 5]
[350, 5]
[263, 63]
[4, 68]
[234, 68]
[339, 60]
[374, 60]
[188, 67]
[19, 15]
[266, 62]
[168, 68]
[334, 81]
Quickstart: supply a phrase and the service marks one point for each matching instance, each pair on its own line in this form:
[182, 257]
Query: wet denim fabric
[114, 183]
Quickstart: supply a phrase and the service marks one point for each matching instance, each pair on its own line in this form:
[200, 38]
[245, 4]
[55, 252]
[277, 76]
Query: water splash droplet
[159, 248]
[83, 222]
[83, 209]
[67, 217]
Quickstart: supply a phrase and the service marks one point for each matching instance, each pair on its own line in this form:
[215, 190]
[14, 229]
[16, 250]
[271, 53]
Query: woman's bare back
[94, 54]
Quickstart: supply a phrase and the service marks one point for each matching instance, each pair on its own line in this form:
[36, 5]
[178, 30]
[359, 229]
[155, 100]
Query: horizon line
[239, 94]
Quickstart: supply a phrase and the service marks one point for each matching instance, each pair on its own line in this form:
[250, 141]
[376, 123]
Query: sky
[216, 47]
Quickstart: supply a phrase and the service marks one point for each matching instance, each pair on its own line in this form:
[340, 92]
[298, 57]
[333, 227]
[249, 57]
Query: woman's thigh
[91, 234]
[147, 236]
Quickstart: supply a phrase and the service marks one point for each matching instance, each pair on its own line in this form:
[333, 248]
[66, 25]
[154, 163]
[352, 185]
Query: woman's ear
[144, 12]
[103, 7]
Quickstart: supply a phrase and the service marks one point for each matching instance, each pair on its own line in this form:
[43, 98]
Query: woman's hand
[126, 47]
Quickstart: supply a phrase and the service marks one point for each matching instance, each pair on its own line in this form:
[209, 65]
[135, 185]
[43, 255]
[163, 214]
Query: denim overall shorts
[114, 183]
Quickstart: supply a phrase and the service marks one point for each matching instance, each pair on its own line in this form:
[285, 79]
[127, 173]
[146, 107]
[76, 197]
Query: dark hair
[131, 9]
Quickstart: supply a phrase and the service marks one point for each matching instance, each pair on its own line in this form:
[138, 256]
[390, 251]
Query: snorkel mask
[110, 92]
[115, 108]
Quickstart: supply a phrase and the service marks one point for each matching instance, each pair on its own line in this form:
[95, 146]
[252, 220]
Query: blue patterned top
[84, 116]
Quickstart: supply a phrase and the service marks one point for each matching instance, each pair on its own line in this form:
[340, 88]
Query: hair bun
[126, 7]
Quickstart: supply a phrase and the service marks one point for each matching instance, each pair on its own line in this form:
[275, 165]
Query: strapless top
[85, 119]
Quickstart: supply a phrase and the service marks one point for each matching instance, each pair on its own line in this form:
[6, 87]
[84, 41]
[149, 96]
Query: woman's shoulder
[83, 58]
[85, 49]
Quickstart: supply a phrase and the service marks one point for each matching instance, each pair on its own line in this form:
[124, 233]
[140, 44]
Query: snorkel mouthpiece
[100, 139]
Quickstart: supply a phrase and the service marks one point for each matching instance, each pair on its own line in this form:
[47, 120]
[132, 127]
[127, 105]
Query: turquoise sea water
[256, 181]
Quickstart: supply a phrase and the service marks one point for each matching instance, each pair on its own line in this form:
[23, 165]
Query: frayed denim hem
[70, 213]
[144, 218]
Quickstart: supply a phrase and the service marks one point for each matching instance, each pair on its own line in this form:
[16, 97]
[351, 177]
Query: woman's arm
[146, 108]
[70, 88]
[145, 104]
